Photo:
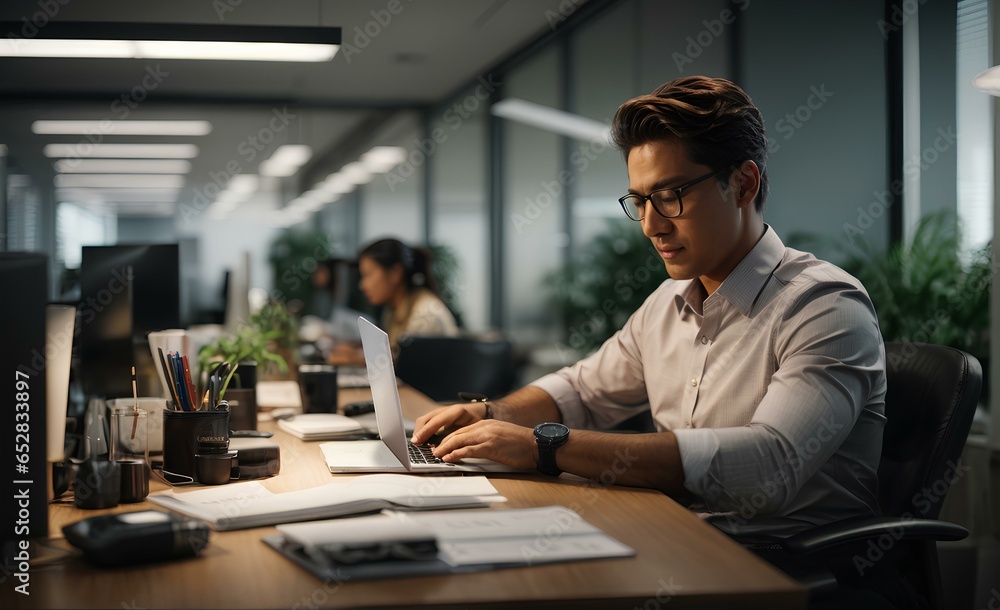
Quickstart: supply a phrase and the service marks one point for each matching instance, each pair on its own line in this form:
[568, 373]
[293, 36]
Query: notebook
[393, 452]
[322, 426]
[243, 505]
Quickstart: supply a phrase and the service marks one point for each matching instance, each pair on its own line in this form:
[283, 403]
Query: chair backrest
[931, 398]
[440, 367]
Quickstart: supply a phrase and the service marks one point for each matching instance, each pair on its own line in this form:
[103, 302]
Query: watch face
[551, 431]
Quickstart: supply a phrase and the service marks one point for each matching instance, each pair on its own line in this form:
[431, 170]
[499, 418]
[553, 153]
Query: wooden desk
[679, 559]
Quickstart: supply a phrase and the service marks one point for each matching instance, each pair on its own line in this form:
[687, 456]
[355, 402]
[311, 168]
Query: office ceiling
[425, 51]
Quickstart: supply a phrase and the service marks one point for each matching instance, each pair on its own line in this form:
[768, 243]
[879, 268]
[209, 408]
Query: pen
[170, 380]
[178, 369]
[135, 403]
[192, 392]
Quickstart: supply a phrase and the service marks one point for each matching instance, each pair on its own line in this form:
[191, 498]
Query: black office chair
[930, 402]
[441, 367]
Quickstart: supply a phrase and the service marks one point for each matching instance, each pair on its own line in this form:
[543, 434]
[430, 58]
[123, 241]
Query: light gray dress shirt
[774, 386]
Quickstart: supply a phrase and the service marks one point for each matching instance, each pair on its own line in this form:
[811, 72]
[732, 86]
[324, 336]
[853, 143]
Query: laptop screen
[385, 396]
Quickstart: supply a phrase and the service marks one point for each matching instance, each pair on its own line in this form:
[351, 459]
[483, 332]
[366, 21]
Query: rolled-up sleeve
[608, 386]
[830, 364]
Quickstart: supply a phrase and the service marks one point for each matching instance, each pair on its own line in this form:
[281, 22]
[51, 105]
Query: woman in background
[398, 278]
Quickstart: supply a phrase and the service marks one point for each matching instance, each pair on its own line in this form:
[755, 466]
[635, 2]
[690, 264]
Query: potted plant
[267, 341]
[597, 292]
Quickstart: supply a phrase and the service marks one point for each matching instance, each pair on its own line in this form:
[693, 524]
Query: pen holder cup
[242, 408]
[182, 432]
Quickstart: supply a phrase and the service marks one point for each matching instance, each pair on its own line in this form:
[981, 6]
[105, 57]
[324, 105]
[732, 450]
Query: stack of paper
[242, 505]
[321, 426]
[465, 540]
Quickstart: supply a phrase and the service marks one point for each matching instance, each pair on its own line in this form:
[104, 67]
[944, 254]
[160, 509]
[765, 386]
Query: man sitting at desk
[762, 366]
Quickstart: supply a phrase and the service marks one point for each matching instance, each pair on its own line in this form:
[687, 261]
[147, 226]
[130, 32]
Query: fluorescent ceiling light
[356, 173]
[551, 119]
[243, 183]
[320, 196]
[123, 128]
[121, 151]
[174, 41]
[286, 160]
[988, 81]
[336, 184]
[119, 180]
[381, 159]
[122, 194]
[122, 166]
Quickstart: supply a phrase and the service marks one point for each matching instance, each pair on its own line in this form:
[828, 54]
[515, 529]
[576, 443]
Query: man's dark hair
[714, 119]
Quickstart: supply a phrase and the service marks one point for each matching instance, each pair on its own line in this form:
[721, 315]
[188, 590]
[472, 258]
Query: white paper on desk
[476, 537]
[519, 536]
[241, 505]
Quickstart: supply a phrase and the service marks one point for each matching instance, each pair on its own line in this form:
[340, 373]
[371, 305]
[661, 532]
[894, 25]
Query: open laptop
[393, 452]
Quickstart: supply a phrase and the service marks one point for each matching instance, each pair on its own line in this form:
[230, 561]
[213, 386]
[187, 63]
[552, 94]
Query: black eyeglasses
[666, 202]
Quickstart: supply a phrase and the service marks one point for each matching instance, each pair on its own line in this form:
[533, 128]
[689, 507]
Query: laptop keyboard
[422, 454]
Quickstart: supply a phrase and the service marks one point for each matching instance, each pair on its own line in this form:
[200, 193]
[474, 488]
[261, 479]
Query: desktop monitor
[126, 291]
[23, 360]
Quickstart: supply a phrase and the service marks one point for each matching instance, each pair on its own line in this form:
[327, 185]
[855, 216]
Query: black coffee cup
[98, 484]
[318, 386]
[134, 481]
[242, 408]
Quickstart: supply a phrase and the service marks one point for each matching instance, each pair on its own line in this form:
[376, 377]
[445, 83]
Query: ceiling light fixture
[120, 151]
[381, 159]
[285, 160]
[356, 173]
[174, 41]
[123, 128]
[118, 194]
[243, 183]
[122, 166]
[551, 119]
[119, 181]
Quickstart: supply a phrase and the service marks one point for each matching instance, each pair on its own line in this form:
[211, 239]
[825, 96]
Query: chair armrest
[858, 530]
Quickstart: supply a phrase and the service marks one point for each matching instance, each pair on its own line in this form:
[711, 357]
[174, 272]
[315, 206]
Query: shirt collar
[748, 279]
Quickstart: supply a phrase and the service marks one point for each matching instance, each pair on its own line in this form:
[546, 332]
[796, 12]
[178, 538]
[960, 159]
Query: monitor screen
[126, 291]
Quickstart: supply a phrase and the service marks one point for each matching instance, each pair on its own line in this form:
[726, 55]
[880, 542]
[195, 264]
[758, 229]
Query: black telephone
[139, 537]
